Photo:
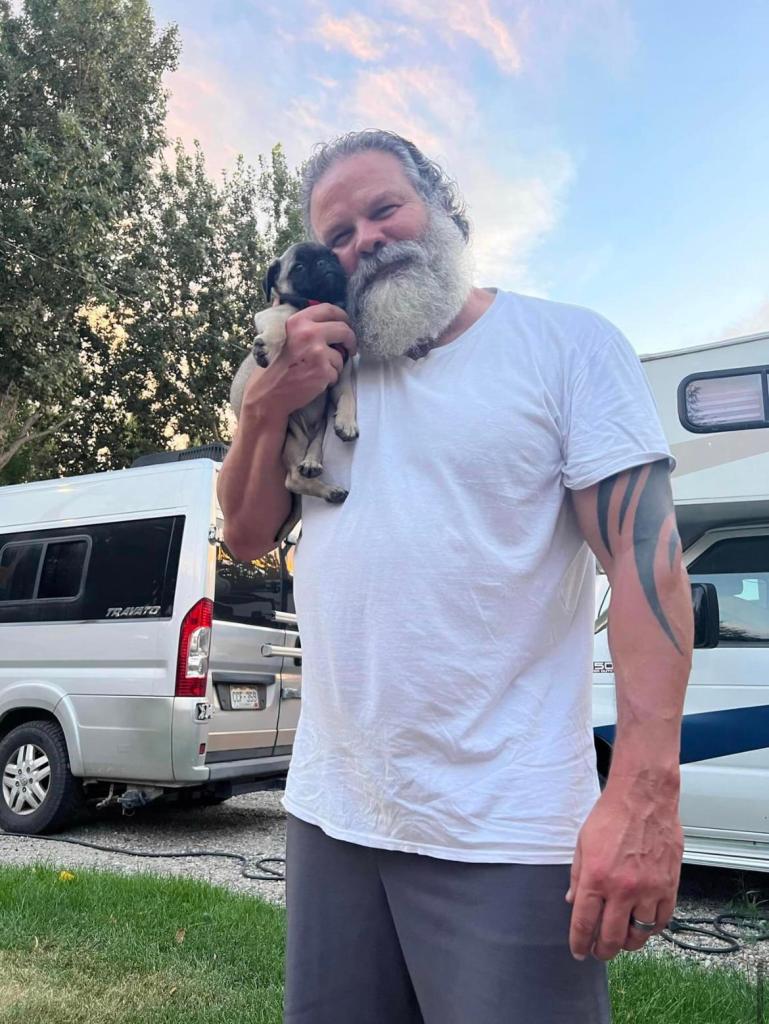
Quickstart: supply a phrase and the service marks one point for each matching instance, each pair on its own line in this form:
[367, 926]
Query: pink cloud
[356, 34]
[476, 22]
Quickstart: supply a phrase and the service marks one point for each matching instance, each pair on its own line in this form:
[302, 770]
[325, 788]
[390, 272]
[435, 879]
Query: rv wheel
[38, 792]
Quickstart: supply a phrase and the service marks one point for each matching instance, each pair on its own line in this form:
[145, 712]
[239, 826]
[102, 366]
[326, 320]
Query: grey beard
[402, 298]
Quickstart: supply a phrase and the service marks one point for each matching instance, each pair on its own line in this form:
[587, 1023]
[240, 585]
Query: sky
[612, 153]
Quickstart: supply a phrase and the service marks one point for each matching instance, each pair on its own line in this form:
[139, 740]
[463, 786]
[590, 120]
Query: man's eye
[337, 240]
[385, 211]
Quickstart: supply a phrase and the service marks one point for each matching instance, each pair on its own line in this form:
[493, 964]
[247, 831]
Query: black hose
[261, 862]
[711, 927]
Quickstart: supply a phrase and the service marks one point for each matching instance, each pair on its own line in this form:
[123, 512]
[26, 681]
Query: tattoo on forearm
[652, 510]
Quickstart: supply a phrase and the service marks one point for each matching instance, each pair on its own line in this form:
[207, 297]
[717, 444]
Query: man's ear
[270, 278]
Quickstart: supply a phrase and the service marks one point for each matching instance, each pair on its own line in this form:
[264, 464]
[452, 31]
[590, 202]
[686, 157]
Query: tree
[82, 112]
[160, 362]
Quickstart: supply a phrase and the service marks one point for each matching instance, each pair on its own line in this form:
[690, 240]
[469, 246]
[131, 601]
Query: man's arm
[251, 488]
[628, 856]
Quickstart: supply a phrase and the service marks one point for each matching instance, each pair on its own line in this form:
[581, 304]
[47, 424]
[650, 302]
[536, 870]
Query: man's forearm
[251, 488]
[651, 656]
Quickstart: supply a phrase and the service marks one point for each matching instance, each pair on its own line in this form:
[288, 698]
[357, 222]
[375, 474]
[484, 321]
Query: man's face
[406, 260]
[362, 203]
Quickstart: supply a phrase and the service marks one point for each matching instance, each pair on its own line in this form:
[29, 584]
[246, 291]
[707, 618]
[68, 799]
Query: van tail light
[194, 648]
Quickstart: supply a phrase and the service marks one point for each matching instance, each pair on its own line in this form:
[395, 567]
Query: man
[443, 777]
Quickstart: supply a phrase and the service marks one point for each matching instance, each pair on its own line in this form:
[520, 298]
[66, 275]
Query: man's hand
[307, 364]
[627, 862]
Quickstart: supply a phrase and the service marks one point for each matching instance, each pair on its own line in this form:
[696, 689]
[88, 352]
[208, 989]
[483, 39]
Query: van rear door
[246, 680]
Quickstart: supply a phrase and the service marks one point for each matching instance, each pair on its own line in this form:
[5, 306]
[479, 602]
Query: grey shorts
[377, 937]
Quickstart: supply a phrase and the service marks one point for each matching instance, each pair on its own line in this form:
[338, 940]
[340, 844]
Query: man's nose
[370, 238]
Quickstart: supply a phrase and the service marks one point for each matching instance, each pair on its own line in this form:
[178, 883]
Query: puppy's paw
[336, 495]
[310, 467]
[347, 431]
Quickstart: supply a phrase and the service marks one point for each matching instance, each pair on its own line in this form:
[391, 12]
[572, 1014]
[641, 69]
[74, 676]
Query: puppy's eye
[299, 266]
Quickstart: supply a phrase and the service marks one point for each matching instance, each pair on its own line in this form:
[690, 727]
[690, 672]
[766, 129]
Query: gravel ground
[254, 826]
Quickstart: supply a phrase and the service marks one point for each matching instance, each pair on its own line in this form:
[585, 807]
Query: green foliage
[82, 110]
[190, 263]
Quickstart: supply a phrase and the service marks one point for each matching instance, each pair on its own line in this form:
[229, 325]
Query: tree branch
[22, 439]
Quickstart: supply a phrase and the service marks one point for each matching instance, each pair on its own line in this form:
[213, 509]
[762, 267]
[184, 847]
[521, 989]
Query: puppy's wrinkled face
[307, 271]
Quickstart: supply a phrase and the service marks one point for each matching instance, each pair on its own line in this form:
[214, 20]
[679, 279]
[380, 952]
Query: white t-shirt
[446, 608]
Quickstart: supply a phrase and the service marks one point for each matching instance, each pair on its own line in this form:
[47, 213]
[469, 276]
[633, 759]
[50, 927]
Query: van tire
[63, 801]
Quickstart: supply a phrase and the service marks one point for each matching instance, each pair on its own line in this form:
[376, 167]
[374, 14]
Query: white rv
[714, 405]
[137, 658]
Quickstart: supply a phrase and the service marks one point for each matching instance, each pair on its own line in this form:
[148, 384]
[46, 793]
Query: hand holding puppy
[307, 364]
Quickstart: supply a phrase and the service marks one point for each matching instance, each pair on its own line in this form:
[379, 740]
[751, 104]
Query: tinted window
[130, 572]
[18, 571]
[739, 570]
[63, 569]
[248, 592]
[133, 566]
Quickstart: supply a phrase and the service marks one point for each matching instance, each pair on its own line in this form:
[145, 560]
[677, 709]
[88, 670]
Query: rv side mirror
[706, 616]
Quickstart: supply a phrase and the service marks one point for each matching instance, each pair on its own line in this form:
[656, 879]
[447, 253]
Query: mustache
[370, 265]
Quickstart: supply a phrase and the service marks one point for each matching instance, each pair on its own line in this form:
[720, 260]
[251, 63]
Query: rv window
[724, 400]
[739, 569]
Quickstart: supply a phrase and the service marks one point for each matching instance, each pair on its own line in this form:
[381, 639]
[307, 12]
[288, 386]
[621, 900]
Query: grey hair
[427, 177]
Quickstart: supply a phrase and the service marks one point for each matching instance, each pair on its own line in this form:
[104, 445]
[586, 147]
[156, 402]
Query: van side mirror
[707, 625]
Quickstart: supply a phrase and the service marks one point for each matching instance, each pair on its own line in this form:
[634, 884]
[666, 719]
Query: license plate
[245, 698]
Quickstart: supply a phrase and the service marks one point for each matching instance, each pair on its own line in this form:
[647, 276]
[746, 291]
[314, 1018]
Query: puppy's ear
[270, 278]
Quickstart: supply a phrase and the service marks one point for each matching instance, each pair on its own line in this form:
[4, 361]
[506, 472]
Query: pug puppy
[306, 274]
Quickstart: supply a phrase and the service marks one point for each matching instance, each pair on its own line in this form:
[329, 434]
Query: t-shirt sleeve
[612, 423]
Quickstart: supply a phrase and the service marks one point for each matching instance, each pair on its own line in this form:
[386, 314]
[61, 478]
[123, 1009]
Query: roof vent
[215, 452]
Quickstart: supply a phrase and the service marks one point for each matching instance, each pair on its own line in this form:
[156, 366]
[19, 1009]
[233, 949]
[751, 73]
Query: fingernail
[578, 956]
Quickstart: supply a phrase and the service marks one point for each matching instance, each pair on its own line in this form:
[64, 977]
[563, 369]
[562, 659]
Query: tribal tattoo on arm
[632, 512]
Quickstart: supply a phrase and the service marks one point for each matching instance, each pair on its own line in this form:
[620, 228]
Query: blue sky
[613, 153]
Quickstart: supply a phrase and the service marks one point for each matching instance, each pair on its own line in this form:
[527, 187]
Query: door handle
[274, 651]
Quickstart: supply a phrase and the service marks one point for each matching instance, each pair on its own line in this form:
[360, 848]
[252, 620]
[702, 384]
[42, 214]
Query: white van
[714, 405]
[137, 658]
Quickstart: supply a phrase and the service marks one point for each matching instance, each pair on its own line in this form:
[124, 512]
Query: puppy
[304, 275]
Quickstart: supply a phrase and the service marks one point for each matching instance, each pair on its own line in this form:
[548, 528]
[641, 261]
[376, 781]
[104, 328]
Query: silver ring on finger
[642, 926]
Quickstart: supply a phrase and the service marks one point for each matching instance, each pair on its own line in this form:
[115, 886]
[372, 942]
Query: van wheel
[38, 792]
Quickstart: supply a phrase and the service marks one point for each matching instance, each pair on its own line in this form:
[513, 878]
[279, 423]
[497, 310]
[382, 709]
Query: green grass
[657, 989]
[108, 949]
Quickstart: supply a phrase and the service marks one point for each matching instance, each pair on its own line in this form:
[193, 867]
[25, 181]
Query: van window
[18, 571]
[122, 570]
[60, 576]
[739, 570]
[248, 592]
[63, 569]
